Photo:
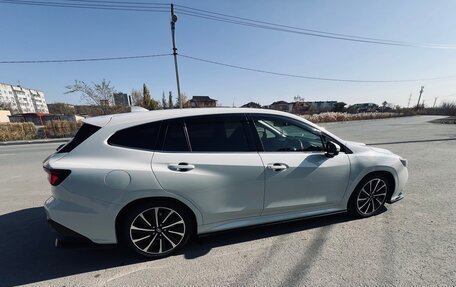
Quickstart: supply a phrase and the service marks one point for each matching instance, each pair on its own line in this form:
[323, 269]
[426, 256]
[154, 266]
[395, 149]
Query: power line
[210, 15]
[88, 6]
[293, 31]
[121, 2]
[311, 77]
[220, 17]
[83, 60]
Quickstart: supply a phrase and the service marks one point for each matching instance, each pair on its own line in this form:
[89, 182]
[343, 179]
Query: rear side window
[83, 133]
[218, 134]
[137, 137]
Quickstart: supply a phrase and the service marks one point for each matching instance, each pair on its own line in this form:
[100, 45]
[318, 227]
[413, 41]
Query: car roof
[149, 116]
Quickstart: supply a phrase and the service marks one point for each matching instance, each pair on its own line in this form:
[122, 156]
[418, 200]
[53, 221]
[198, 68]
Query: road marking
[5, 154]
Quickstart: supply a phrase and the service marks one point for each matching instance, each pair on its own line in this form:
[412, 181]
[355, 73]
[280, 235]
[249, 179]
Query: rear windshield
[83, 133]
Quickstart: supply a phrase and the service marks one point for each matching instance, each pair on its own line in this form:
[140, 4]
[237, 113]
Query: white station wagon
[152, 180]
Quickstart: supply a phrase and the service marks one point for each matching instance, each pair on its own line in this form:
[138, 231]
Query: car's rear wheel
[157, 229]
[369, 196]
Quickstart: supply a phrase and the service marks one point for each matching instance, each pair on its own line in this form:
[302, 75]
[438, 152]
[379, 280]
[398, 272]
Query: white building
[23, 100]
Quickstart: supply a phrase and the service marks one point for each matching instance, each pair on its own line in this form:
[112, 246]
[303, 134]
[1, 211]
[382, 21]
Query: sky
[46, 33]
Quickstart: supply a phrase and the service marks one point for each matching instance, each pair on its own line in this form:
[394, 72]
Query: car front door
[212, 162]
[298, 174]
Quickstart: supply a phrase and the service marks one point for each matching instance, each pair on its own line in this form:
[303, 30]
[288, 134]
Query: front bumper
[396, 198]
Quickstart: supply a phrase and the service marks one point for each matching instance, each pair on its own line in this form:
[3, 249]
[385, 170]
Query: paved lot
[412, 243]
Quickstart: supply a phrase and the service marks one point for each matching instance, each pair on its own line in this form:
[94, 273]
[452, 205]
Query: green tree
[164, 102]
[170, 101]
[146, 96]
[384, 104]
[148, 102]
[339, 107]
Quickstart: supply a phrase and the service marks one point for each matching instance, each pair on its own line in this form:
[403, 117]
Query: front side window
[281, 134]
[226, 133]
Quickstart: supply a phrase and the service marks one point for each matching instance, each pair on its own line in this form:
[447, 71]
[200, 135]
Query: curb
[40, 141]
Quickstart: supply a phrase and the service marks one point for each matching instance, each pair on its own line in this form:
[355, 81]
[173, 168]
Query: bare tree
[7, 107]
[100, 94]
[298, 98]
[137, 97]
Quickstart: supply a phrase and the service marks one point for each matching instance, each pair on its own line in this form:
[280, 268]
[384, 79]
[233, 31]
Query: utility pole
[419, 98]
[173, 28]
[408, 105]
[434, 102]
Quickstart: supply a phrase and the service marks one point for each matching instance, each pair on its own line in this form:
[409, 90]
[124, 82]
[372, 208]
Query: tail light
[56, 176]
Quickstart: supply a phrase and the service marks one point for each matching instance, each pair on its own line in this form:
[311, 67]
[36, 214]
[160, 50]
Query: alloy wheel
[372, 196]
[157, 230]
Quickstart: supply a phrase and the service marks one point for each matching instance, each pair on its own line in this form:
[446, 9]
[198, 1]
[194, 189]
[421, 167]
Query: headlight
[404, 162]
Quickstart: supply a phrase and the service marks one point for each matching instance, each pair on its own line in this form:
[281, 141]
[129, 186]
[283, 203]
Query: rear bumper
[85, 220]
[67, 234]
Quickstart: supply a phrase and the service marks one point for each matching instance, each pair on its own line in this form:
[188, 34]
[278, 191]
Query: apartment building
[23, 100]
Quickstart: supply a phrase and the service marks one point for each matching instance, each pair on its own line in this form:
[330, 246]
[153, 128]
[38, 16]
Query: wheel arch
[195, 217]
[390, 176]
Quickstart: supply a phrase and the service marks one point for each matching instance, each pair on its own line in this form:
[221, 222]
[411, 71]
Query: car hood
[362, 147]
[381, 150]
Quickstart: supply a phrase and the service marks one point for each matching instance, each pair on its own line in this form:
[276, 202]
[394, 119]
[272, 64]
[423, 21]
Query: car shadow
[28, 253]
[202, 245]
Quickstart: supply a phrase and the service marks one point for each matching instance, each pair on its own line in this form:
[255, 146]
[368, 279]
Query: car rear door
[298, 175]
[212, 161]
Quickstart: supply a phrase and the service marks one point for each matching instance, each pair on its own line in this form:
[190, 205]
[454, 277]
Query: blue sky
[36, 33]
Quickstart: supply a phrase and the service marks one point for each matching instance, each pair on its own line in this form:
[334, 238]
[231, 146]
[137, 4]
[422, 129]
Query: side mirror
[332, 149]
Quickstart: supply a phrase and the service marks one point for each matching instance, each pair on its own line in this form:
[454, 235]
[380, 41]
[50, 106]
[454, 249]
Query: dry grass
[17, 131]
[58, 129]
[342, 117]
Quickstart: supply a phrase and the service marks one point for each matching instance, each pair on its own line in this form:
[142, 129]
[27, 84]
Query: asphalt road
[412, 243]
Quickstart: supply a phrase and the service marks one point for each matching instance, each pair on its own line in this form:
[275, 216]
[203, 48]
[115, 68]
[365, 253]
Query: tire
[156, 229]
[369, 196]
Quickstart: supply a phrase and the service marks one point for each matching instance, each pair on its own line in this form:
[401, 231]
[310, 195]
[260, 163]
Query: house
[363, 108]
[281, 106]
[252, 105]
[122, 99]
[201, 102]
[23, 100]
[323, 105]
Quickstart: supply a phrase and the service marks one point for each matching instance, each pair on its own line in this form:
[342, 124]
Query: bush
[58, 129]
[17, 131]
[341, 117]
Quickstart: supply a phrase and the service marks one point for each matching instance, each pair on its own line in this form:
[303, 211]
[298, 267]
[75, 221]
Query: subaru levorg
[151, 180]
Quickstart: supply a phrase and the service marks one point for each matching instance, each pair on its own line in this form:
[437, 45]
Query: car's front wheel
[157, 229]
[369, 196]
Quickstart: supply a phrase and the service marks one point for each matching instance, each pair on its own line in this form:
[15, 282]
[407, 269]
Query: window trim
[255, 116]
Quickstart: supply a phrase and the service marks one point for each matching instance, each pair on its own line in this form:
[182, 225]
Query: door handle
[277, 166]
[182, 166]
